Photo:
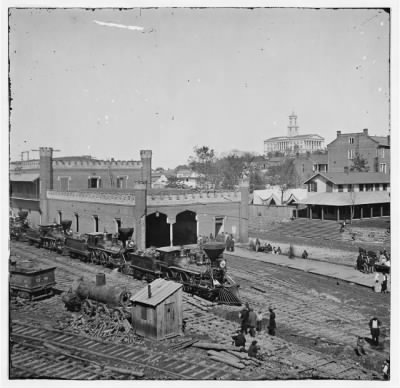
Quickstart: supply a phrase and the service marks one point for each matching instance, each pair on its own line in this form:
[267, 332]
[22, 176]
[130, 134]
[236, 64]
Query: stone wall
[263, 217]
[339, 256]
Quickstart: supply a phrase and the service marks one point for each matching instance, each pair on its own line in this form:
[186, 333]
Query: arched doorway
[157, 230]
[185, 228]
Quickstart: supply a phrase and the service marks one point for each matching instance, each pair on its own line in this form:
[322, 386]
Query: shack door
[169, 318]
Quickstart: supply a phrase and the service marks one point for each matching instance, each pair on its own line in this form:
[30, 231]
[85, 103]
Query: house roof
[339, 178]
[160, 290]
[347, 199]
[382, 140]
[24, 177]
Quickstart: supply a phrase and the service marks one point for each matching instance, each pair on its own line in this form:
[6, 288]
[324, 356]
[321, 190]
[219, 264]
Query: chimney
[338, 133]
[365, 130]
[149, 290]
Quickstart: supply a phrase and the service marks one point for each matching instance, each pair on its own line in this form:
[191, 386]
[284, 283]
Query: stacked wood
[213, 346]
[227, 354]
[97, 320]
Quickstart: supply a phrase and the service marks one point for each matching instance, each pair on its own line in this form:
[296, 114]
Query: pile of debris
[98, 320]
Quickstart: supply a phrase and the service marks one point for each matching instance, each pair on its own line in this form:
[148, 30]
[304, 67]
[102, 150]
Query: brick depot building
[101, 195]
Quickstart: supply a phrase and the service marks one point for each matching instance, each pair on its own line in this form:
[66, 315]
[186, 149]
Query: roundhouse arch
[185, 228]
[157, 230]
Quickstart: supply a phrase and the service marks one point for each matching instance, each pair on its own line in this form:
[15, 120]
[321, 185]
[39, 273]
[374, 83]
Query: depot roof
[24, 177]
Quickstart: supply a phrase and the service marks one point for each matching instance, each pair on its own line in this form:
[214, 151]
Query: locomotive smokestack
[149, 290]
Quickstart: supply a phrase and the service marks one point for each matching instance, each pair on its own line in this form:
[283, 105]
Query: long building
[293, 143]
[158, 218]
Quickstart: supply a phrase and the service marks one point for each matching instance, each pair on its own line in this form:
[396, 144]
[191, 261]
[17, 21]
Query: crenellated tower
[145, 156]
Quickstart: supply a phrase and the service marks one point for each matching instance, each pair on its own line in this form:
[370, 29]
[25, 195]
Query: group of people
[267, 248]
[367, 261]
[382, 283]
[251, 322]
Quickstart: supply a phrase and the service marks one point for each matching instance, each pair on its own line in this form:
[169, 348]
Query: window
[64, 183]
[59, 216]
[350, 154]
[302, 167]
[340, 188]
[96, 223]
[350, 188]
[121, 182]
[361, 187]
[94, 182]
[369, 187]
[382, 167]
[382, 152]
[351, 140]
[312, 187]
[384, 186]
[376, 186]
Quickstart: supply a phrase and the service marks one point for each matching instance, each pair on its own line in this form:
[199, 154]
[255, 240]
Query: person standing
[271, 323]
[244, 317]
[252, 322]
[375, 325]
[259, 322]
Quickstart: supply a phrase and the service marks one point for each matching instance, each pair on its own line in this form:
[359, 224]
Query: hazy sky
[109, 83]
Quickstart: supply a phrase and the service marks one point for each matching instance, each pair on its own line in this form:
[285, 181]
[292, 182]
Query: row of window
[312, 187]
[95, 182]
[96, 222]
[351, 153]
[364, 187]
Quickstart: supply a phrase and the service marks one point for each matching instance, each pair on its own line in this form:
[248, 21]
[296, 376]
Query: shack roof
[160, 290]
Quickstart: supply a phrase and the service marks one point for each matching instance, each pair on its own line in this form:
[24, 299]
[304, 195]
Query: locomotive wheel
[103, 259]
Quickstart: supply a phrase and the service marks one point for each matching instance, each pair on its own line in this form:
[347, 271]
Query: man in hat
[374, 325]
[272, 323]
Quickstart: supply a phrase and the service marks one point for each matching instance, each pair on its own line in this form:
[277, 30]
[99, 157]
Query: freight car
[213, 283]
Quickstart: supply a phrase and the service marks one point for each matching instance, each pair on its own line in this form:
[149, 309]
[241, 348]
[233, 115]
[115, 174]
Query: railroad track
[59, 354]
[284, 358]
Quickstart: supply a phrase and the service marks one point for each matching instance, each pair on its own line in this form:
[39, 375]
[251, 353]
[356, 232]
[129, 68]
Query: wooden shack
[157, 310]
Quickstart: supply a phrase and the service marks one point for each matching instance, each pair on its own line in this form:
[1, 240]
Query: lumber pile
[228, 354]
[99, 321]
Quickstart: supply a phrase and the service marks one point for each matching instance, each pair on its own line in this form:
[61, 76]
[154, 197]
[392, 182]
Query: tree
[172, 181]
[360, 164]
[202, 163]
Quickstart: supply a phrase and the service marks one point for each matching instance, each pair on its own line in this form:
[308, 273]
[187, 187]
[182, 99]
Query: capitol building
[294, 143]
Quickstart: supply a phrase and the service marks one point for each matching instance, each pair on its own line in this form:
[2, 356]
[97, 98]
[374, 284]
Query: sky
[109, 82]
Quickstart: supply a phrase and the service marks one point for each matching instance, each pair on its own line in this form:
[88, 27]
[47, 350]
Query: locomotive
[213, 284]
[96, 248]
[49, 236]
